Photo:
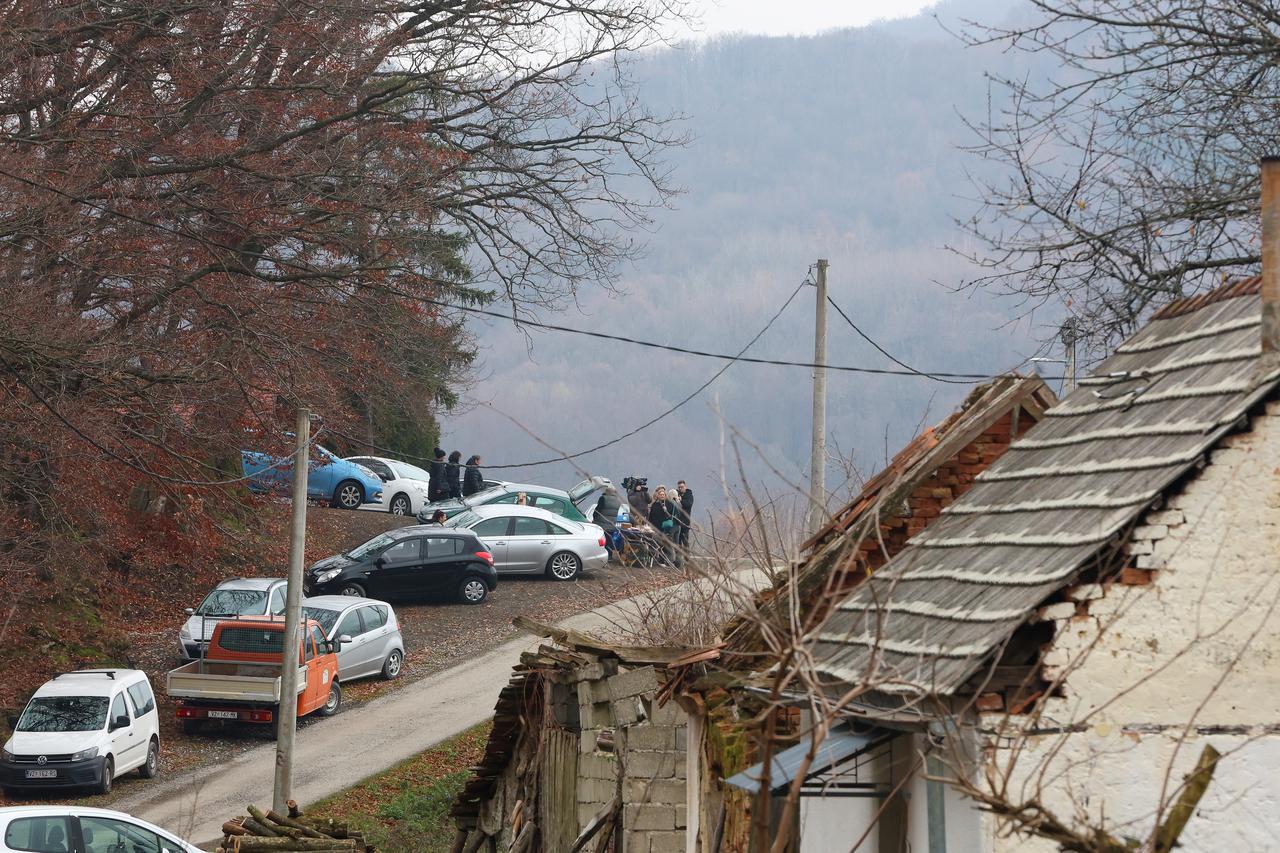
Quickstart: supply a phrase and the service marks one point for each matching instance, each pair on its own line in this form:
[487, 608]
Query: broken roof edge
[578, 641]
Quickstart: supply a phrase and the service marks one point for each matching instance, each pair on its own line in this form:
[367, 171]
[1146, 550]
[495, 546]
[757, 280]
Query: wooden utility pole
[1069, 338]
[818, 443]
[287, 712]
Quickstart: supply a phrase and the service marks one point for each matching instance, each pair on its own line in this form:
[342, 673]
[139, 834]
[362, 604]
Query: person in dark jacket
[662, 514]
[453, 473]
[685, 516]
[640, 500]
[438, 488]
[606, 516]
[473, 479]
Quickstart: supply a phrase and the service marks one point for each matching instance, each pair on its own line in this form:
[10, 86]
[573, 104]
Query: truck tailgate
[229, 681]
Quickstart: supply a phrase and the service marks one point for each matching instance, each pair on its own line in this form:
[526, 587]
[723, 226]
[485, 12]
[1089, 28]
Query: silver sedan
[528, 540]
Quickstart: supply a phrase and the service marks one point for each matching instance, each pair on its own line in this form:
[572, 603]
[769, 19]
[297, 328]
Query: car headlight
[6, 755]
[184, 634]
[85, 754]
[325, 577]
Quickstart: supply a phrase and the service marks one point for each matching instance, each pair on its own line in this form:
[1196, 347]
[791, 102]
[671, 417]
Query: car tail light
[260, 716]
[486, 556]
[186, 713]
[601, 542]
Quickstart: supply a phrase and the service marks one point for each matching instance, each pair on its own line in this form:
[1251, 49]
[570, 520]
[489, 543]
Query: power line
[642, 426]
[937, 377]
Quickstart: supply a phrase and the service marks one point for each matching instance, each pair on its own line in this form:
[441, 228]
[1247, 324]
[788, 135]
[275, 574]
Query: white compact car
[63, 829]
[229, 600]
[404, 486]
[83, 729]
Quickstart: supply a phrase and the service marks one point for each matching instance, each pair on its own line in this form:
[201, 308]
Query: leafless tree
[1128, 176]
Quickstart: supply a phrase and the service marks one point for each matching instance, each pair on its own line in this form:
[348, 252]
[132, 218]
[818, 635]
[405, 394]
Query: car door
[396, 570]
[316, 692]
[46, 833]
[442, 567]
[127, 744]
[275, 604]
[321, 473]
[529, 545]
[375, 618]
[353, 659]
[103, 834]
[493, 533]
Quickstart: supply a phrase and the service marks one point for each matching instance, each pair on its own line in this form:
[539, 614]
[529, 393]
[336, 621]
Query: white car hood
[196, 623]
[52, 743]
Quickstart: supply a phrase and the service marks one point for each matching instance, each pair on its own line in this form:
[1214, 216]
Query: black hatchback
[410, 562]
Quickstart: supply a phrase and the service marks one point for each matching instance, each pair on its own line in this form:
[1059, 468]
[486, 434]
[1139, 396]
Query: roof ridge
[1248, 286]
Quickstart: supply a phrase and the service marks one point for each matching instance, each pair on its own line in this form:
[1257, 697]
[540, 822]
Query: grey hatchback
[370, 632]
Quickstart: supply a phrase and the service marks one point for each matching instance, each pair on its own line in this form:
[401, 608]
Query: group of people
[448, 479]
[669, 511]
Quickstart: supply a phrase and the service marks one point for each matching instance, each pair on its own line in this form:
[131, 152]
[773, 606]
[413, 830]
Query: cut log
[282, 820]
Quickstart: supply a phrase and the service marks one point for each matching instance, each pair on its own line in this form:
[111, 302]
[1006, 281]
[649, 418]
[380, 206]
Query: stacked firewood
[260, 831]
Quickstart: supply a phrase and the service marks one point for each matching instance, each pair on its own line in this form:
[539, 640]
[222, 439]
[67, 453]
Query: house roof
[911, 467]
[1064, 492]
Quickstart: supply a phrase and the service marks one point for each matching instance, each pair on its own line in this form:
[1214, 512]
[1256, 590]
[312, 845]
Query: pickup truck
[239, 678]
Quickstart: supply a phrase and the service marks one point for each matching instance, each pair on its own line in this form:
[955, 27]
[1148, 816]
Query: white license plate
[223, 715]
[42, 774]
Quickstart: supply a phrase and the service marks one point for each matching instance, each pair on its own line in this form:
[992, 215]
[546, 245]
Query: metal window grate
[252, 641]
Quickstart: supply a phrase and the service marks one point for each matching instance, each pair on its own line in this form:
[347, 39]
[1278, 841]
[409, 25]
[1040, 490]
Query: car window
[404, 551]
[118, 708]
[277, 601]
[38, 834]
[557, 530]
[232, 602]
[441, 546]
[374, 545]
[492, 527]
[552, 504]
[141, 696]
[525, 526]
[326, 618]
[64, 714]
[350, 625]
[463, 519]
[319, 642]
[379, 468]
[508, 498]
[374, 617]
[108, 835]
[411, 472]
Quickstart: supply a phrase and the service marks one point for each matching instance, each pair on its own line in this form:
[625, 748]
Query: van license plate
[223, 715]
[42, 774]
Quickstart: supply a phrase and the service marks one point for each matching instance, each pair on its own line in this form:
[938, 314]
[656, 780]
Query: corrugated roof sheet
[931, 617]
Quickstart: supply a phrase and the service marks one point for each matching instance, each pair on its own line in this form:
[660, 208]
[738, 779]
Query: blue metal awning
[841, 744]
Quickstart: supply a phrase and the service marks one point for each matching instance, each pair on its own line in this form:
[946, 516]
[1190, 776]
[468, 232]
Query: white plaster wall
[833, 824]
[1153, 672]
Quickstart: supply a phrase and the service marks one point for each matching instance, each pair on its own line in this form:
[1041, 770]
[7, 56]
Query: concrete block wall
[648, 753]
[1176, 653]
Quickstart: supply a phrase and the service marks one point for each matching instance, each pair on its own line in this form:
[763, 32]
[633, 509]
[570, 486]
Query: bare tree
[1128, 177]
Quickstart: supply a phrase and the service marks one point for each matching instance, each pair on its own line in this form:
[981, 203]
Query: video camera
[630, 484]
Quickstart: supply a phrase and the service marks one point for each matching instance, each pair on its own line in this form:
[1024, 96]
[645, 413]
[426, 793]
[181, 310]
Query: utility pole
[1068, 333]
[818, 445]
[287, 716]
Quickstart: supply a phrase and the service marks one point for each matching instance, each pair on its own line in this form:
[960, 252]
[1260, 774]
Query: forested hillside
[863, 170]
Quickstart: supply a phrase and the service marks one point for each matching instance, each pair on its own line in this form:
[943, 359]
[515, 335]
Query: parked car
[412, 561]
[239, 676]
[83, 729]
[529, 540]
[375, 646]
[345, 485]
[404, 485]
[229, 599]
[60, 829]
[567, 504]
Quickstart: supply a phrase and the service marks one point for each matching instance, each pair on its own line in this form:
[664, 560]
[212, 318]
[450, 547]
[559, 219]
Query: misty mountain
[841, 146]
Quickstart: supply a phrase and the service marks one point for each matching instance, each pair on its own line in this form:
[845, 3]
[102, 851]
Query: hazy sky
[792, 17]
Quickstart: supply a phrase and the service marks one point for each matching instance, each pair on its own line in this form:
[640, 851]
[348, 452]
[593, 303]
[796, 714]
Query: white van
[83, 729]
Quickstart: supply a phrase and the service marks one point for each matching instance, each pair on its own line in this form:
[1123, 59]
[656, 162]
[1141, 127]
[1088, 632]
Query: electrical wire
[643, 426]
[937, 377]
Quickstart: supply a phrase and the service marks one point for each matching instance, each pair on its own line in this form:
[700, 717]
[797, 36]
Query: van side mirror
[120, 722]
[12, 720]
[190, 611]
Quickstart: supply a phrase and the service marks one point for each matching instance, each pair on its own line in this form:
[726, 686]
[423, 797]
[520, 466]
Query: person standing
[453, 472]
[473, 479]
[438, 488]
[606, 516]
[640, 500]
[685, 518]
[662, 514]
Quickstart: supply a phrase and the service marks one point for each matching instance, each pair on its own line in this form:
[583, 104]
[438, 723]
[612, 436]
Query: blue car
[345, 485]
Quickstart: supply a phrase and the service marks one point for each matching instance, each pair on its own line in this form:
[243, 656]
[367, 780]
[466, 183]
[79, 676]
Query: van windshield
[233, 602]
[64, 714]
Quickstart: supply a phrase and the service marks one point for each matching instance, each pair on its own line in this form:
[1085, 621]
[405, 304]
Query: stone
[1139, 546]
[1061, 610]
[1168, 517]
[1150, 531]
[667, 842]
[637, 682]
[651, 737]
[1085, 592]
[649, 816]
[628, 711]
[670, 791]
[653, 765]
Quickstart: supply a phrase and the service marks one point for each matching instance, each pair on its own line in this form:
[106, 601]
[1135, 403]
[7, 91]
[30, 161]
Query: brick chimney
[1271, 254]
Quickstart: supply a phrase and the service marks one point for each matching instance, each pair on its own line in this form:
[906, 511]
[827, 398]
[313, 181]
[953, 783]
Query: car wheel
[400, 505]
[190, 727]
[348, 495]
[473, 591]
[108, 776]
[352, 589]
[393, 664]
[333, 703]
[151, 767]
[564, 566]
